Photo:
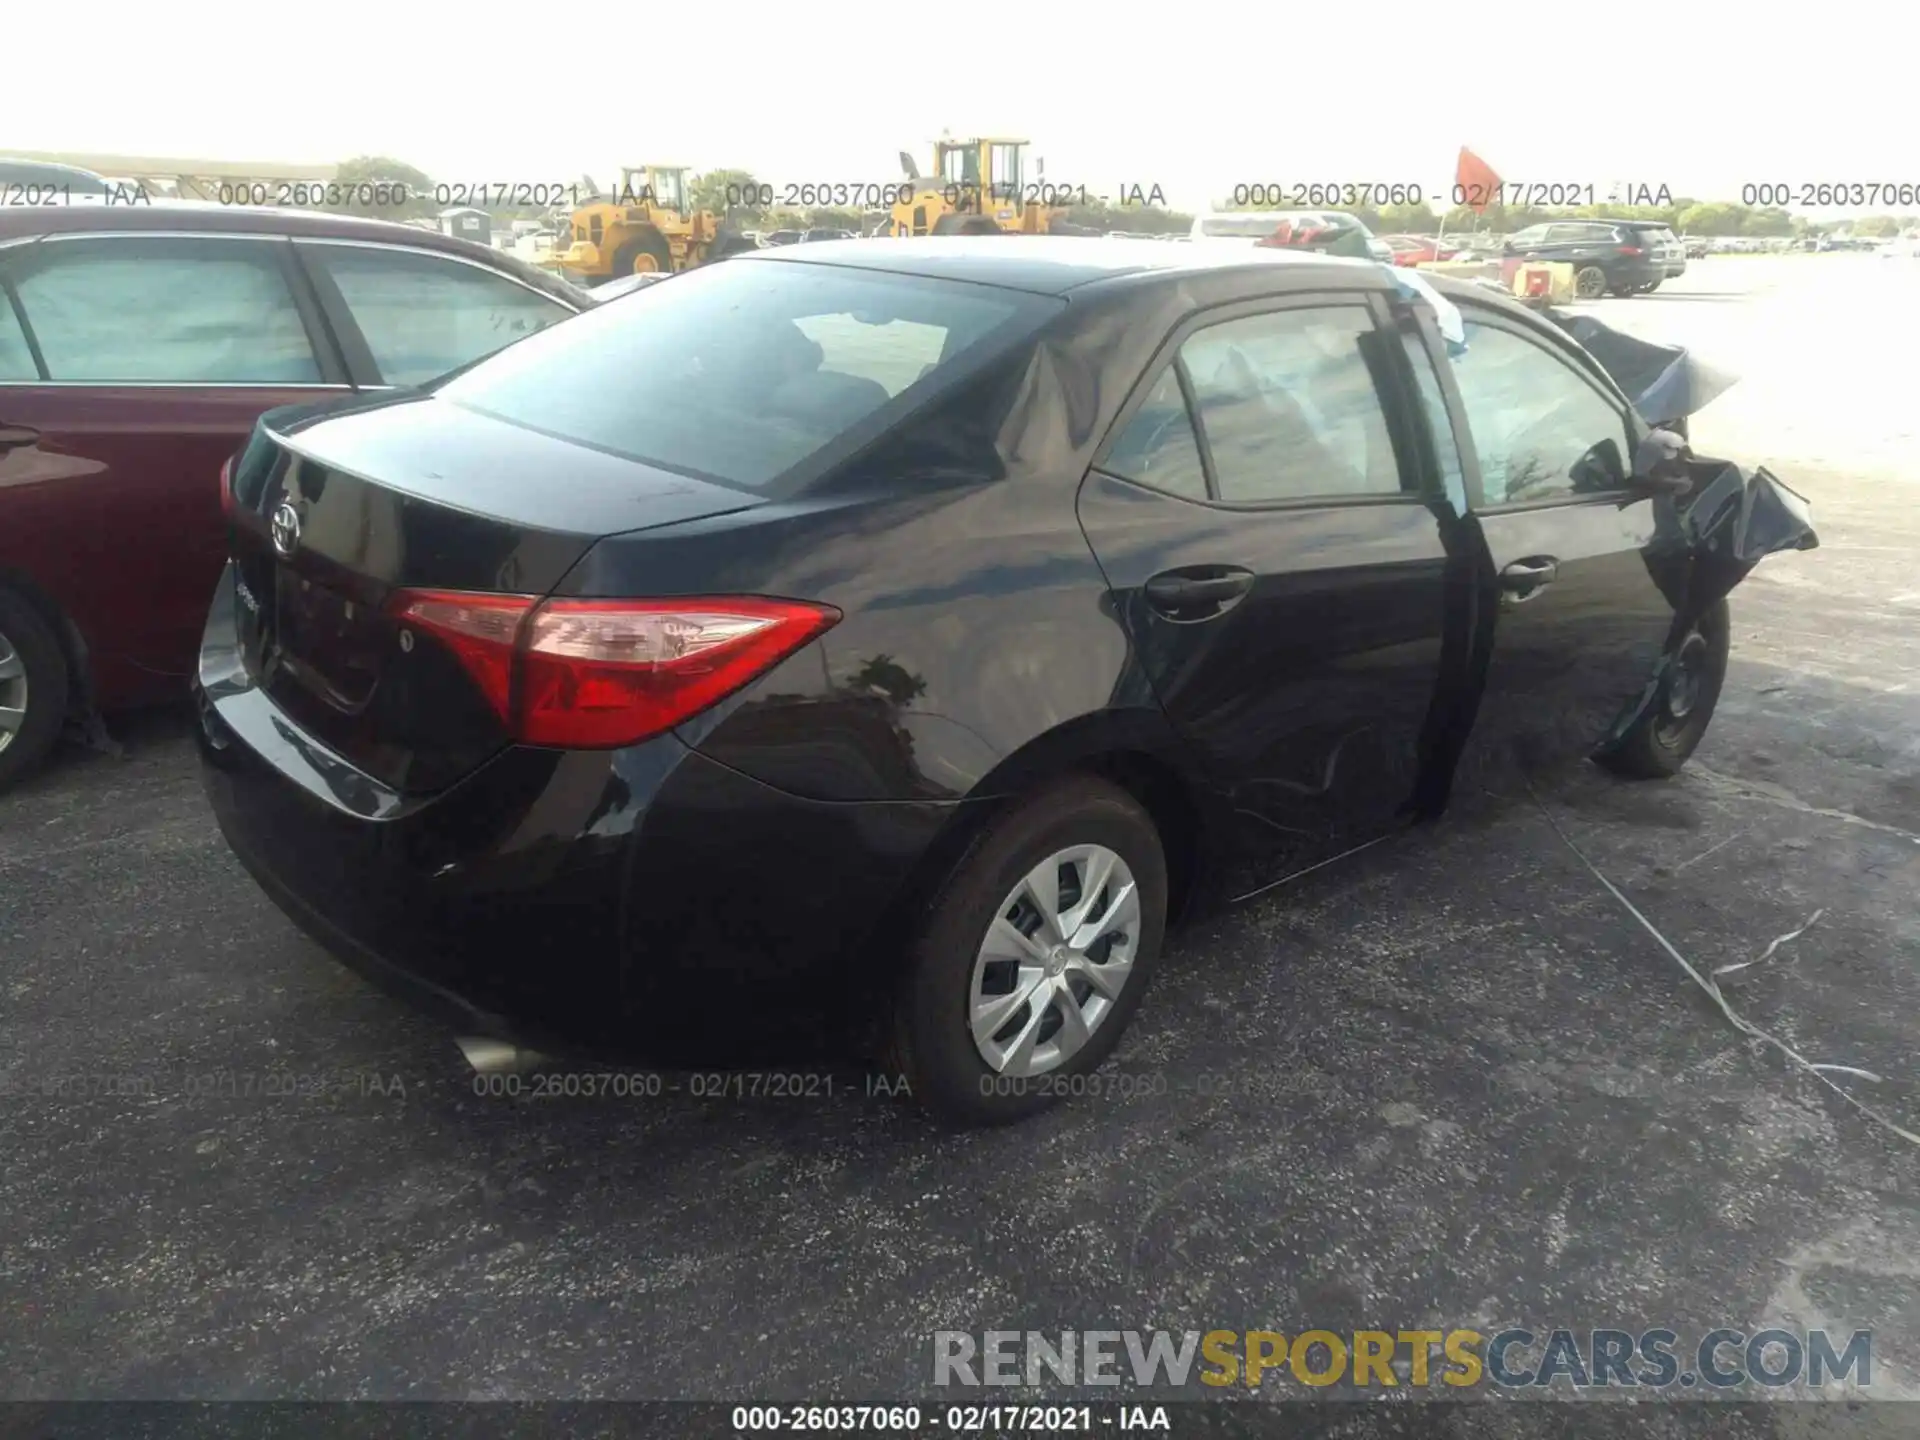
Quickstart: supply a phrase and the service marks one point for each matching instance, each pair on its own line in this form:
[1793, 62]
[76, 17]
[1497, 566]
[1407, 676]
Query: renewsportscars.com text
[1721, 1359]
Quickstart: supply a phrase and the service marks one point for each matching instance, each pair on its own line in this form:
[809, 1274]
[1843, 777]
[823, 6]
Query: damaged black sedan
[881, 645]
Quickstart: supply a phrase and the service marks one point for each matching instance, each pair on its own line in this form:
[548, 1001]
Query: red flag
[1474, 183]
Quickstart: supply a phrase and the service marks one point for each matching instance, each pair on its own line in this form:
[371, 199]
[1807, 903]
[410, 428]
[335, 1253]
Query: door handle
[1524, 579]
[1199, 593]
[16, 437]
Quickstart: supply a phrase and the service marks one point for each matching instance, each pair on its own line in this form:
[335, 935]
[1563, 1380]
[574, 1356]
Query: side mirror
[1599, 469]
[1660, 463]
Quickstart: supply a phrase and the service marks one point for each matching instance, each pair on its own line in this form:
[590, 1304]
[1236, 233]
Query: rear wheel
[1659, 744]
[1035, 956]
[966, 225]
[1590, 282]
[33, 687]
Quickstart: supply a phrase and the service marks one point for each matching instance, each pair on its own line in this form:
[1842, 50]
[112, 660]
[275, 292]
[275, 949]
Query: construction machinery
[647, 224]
[980, 187]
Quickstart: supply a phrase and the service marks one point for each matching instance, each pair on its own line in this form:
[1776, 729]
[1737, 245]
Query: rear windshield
[743, 371]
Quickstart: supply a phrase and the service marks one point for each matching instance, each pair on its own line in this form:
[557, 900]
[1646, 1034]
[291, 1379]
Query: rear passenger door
[408, 316]
[137, 366]
[1268, 539]
[1586, 570]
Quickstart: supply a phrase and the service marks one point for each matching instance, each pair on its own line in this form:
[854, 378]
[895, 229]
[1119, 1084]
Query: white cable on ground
[1706, 983]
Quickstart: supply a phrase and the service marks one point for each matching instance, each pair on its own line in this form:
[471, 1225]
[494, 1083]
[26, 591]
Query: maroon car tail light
[597, 674]
[226, 487]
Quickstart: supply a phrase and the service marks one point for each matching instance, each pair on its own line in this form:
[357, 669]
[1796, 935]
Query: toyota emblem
[286, 530]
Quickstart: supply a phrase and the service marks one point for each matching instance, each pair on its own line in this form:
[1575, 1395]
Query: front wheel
[1035, 956]
[1662, 739]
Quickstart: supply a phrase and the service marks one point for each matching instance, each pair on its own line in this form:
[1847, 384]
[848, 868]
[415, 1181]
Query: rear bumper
[647, 903]
[1636, 272]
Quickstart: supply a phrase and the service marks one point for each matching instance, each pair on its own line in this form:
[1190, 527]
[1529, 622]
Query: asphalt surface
[1451, 1082]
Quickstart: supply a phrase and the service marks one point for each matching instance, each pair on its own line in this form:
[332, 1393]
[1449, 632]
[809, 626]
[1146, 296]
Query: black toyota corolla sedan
[879, 644]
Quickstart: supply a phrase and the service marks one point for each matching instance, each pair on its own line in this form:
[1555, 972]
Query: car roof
[1056, 264]
[26, 222]
[46, 171]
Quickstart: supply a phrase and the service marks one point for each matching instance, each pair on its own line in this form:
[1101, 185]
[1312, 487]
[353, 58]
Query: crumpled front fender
[1732, 519]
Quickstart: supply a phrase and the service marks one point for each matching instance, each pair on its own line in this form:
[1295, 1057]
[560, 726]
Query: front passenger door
[139, 365]
[1586, 569]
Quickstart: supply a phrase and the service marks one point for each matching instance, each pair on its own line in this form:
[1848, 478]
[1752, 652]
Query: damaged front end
[1730, 517]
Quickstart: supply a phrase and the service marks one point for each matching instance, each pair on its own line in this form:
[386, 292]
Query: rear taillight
[595, 674]
[1631, 250]
[226, 486]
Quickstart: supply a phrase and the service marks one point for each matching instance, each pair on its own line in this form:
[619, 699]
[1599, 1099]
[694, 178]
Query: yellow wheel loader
[980, 187]
[646, 225]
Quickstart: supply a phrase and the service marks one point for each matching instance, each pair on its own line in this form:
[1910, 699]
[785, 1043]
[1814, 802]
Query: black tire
[654, 245]
[966, 225]
[26, 635]
[930, 1041]
[1659, 744]
[1590, 282]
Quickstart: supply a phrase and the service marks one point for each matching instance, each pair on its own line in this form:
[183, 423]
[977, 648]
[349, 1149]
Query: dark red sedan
[138, 344]
[1419, 249]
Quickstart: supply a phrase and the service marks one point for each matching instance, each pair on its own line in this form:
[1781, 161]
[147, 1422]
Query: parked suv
[1658, 237]
[138, 345]
[1608, 258]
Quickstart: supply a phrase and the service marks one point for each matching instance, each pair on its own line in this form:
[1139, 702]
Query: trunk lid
[335, 512]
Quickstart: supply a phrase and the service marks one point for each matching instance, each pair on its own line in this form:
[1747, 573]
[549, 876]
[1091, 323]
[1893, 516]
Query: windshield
[741, 372]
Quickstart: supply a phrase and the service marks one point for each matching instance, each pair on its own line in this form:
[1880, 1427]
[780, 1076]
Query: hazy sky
[1195, 97]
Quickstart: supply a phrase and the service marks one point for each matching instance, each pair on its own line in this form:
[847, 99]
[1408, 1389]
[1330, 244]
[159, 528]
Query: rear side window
[423, 315]
[1158, 447]
[1542, 432]
[165, 311]
[1288, 405]
[744, 371]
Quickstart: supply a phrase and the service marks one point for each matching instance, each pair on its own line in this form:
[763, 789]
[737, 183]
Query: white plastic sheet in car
[1416, 287]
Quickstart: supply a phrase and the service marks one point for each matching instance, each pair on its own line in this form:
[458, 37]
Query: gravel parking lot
[1451, 1082]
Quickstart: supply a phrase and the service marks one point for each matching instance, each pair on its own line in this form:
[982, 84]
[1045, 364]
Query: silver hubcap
[13, 692]
[1055, 959]
[1684, 682]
